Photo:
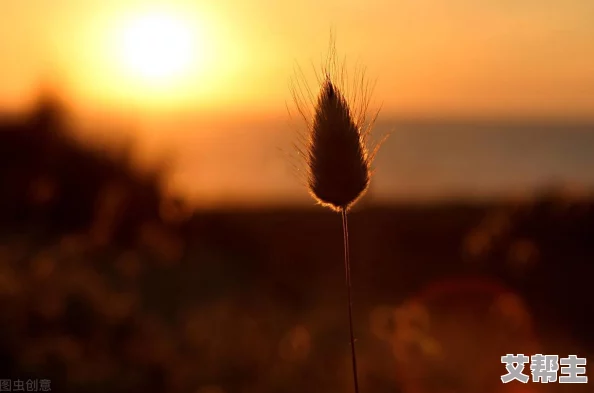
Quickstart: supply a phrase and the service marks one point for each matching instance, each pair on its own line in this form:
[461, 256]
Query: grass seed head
[339, 168]
[335, 146]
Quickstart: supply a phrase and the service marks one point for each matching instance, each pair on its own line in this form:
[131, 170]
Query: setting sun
[159, 47]
[157, 57]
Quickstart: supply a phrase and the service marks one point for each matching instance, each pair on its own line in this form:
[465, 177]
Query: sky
[217, 66]
[429, 57]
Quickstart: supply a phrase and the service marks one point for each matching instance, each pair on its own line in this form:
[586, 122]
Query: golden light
[159, 48]
[157, 56]
[154, 56]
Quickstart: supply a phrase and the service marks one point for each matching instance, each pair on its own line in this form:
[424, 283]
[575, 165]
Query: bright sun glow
[158, 56]
[159, 48]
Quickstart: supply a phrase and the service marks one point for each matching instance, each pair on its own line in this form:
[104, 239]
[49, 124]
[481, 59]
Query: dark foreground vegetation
[108, 285]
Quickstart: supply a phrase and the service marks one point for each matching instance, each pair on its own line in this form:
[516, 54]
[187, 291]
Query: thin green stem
[347, 268]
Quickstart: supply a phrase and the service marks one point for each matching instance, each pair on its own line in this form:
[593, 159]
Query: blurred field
[109, 285]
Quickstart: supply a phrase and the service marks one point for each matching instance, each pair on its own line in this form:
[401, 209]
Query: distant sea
[483, 159]
[421, 161]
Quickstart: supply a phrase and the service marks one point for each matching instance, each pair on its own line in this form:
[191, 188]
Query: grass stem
[347, 268]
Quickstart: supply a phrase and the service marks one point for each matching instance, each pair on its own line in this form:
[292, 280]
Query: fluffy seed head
[334, 147]
[339, 168]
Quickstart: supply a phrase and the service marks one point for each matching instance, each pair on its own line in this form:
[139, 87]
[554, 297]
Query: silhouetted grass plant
[336, 148]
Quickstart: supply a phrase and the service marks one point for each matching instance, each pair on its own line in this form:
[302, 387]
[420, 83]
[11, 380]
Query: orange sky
[430, 57]
[215, 83]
